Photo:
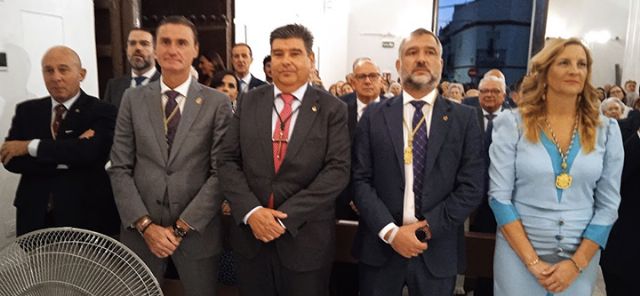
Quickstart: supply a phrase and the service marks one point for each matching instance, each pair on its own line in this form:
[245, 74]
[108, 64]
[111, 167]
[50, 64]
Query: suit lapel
[262, 114]
[70, 120]
[192, 105]
[438, 131]
[153, 100]
[304, 122]
[352, 106]
[393, 113]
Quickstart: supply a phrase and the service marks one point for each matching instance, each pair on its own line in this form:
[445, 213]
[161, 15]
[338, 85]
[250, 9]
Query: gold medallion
[563, 181]
[408, 155]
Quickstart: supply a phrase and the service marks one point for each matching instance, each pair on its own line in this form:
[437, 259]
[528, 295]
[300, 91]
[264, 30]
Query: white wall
[343, 29]
[576, 18]
[28, 28]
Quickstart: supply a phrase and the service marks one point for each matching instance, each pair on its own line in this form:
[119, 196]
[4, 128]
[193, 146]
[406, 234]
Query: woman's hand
[560, 276]
[538, 270]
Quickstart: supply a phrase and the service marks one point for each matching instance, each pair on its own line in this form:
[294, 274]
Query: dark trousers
[619, 285]
[264, 275]
[390, 279]
[344, 279]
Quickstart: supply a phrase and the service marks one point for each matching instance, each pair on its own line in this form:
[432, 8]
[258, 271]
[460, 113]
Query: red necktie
[281, 136]
[57, 120]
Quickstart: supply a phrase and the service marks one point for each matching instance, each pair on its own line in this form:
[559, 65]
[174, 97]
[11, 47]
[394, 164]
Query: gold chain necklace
[563, 180]
[408, 152]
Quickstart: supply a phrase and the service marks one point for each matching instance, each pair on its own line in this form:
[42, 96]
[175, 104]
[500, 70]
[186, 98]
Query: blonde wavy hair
[533, 105]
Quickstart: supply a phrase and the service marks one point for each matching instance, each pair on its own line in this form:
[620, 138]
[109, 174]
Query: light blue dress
[522, 186]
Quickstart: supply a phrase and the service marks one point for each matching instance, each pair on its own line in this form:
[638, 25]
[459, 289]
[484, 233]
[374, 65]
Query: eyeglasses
[371, 76]
[494, 91]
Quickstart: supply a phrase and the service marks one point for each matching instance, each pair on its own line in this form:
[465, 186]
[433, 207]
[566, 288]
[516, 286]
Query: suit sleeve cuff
[246, 217]
[33, 147]
[394, 230]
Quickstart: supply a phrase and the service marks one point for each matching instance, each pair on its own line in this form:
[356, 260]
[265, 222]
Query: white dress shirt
[360, 106]
[182, 89]
[147, 75]
[408, 209]
[32, 147]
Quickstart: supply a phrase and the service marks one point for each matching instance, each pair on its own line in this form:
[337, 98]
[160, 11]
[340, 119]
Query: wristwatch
[423, 234]
[179, 232]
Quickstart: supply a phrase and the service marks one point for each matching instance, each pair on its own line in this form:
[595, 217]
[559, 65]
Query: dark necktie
[281, 136]
[139, 80]
[489, 118]
[57, 120]
[171, 116]
[419, 155]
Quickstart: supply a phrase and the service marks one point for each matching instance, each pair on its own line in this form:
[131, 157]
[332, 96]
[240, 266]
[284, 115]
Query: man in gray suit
[143, 66]
[284, 161]
[163, 169]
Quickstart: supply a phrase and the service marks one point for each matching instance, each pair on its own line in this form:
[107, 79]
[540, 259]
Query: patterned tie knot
[60, 109]
[287, 98]
[172, 95]
[139, 80]
[490, 116]
[418, 104]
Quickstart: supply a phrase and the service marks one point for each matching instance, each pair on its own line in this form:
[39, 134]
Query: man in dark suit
[285, 159]
[367, 82]
[241, 59]
[60, 144]
[143, 66]
[417, 175]
[508, 102]
[164, 165]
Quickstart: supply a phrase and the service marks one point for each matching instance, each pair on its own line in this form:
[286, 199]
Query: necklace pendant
[563, 181]
[408, 155]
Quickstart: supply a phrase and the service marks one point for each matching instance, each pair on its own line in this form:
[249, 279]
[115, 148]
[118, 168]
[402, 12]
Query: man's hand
[88, 134]
[264, 225]
[560, 276]
[406, 243]
[160, 240]
[11, 149]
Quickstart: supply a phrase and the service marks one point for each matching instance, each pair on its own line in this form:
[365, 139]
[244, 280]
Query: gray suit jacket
[315, 170]
[143, 173]
[116, 86]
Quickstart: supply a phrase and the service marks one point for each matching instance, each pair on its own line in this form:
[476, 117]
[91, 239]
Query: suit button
[559, 250]
[561, 222]
[559, 237]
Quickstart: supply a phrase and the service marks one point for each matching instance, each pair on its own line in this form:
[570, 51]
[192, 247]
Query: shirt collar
[147, 74]
[66, 104]
[429, 98]
[298, 93]
[246, 78]
[484, 112]
[362, 105]
[182, 89]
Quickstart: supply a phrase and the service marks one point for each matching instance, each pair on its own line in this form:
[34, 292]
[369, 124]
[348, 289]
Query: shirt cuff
[504, 213]
[394, 230]
[638, 132]
[33, 147]
[246, 217]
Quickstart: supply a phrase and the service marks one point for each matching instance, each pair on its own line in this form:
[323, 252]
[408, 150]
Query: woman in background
[209, 64]
[226, 82]
[555, 177]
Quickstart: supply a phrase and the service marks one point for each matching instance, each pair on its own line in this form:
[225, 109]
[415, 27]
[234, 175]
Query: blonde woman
[555, 178]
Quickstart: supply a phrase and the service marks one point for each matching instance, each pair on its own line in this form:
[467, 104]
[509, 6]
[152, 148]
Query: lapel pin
[314, 108]
[199, 101]
[445, 118]
[77, 110]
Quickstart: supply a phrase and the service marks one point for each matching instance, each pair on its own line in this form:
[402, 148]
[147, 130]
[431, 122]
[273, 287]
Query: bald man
[60, 145]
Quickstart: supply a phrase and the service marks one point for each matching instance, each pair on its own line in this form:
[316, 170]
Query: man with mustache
[417, 175]
[143, 66]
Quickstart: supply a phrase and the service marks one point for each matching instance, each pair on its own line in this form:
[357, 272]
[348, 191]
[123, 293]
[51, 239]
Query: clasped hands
[15, 148]
[406, 243]
[557, 277]
[162, 242]
[264, 224]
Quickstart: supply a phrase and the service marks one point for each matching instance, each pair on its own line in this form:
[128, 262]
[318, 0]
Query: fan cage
[71, 261]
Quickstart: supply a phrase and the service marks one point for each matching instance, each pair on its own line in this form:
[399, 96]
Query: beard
[425, 81]
[139, 63]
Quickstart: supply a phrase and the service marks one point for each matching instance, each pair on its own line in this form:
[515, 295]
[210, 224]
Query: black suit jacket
[81, 194]
[255, 82]
[452, 181]
[621, 255]
[315, 170]
[116, 87]
[629, 126]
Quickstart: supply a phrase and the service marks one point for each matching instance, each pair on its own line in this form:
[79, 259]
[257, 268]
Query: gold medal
[563, 181]
[408, 155]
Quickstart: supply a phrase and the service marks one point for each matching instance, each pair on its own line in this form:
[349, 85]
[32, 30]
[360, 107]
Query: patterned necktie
[419, 155]
[171, 116]
[281, 136]
[57, 120]
[244, 87]
[489, 118]
[139, 80]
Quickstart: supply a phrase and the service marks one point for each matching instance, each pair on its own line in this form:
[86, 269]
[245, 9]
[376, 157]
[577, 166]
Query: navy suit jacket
[116, 87]
[81, 193]
[452, 181]
[255, 82]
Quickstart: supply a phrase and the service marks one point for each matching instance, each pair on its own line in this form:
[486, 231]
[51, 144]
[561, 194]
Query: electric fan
[73, 262]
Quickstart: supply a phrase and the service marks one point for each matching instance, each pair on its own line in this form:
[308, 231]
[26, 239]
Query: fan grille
[70, 261]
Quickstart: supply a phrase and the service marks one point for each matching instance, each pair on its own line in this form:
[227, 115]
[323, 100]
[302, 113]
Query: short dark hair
[216, 81]
[266, 60]
[140, 29]
[245, 45]
[179, 20]
[293, 31]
